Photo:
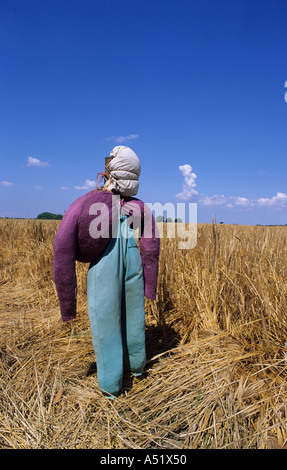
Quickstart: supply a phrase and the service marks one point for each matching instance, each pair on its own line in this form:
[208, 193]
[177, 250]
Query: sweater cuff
[68, 309]
[150, 293]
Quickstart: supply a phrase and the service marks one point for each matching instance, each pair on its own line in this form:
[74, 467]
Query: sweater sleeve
[149, 245]
[64, 267]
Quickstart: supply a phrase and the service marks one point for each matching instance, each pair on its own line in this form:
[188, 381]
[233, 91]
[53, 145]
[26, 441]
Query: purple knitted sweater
[79, 238]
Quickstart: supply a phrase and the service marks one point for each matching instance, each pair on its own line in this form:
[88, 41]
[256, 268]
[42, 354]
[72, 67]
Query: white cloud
[242, 201]
[32, 161]
[215, 200]
[189, 185]
[64, 188]
[6, 183]
[279, 201]
[123, 138]
[38, 187]
[239, 202]
[88, 184]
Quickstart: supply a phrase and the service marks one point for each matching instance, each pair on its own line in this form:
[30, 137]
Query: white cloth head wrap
[124, 171]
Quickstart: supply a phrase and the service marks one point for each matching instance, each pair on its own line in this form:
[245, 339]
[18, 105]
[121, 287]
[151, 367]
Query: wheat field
[216, 376]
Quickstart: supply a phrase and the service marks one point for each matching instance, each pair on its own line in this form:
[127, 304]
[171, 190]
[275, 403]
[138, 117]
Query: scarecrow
[99, 228]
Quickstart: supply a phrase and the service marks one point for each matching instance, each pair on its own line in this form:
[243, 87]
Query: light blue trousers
[115, 293]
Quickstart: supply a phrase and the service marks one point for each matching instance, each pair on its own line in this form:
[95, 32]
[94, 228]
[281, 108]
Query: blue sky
[195, 87]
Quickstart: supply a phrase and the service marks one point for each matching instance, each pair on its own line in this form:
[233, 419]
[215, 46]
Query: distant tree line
[49, 215]
[160, 218]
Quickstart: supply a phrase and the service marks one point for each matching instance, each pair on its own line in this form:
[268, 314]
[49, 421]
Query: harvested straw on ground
[216, 372]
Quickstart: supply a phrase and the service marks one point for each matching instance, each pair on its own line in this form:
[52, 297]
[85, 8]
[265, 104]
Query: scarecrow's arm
[149, 249]
[65, 262]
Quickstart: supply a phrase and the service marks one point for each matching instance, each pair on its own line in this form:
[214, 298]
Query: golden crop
[216, 375]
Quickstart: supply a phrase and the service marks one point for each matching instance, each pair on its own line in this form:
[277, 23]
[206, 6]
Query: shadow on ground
[159, 340]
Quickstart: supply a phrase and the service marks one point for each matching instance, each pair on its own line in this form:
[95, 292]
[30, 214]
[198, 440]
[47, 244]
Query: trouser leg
[133, 309]
[104, 286]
